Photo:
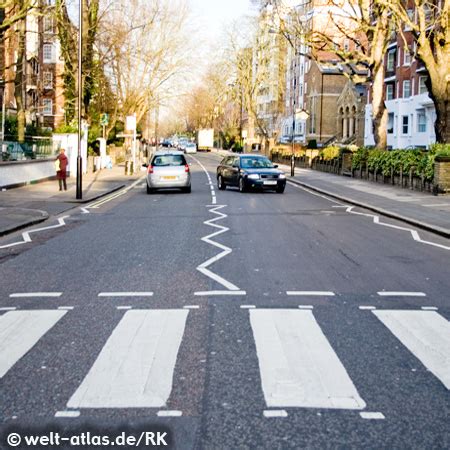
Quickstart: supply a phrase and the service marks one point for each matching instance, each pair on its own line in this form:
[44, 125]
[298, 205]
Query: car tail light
[150, 169]
[186, 168]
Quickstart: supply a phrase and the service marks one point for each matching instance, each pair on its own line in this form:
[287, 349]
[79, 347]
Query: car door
[225, 169]
[234, 171]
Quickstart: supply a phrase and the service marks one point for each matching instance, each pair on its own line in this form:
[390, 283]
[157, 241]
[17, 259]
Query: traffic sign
[104, 119]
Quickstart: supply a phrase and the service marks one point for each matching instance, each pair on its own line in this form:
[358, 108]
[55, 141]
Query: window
[421, 121]
[406, 88]
[47, 106]
[168, 160]
[407, 58]
[301, 88]
[48, 53]
[390, 61]
[48, 80]
[48, 24]
[405, 124]
[390, 126]
[422, 88]
[346, 45]
[389, 91]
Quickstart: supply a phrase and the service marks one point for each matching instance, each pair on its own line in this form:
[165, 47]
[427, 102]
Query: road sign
[104, 120]
[131, 123]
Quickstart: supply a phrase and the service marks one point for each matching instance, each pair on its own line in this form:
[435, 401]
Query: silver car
[168, 170]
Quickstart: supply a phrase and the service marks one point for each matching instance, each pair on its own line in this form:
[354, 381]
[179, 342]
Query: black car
[248, 171]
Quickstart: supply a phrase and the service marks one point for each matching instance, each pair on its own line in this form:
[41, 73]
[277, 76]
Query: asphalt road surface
[226, 320]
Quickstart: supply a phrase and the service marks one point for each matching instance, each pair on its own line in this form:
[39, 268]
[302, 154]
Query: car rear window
[256, 163]
[168, 160]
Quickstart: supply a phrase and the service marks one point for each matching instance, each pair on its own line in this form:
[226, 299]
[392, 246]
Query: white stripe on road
[269, 413]
[208, 293]
[165, 413]
[372, 415]
[125, 294]
[311, 293]
[8, 308]
[68, 414]
[401, 294]
[298, 366]
[135, 367]
[20, 331]
[426, 334]
[35, 294]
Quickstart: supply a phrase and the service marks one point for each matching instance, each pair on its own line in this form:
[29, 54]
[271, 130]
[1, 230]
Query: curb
[36, 221]
[419, 224]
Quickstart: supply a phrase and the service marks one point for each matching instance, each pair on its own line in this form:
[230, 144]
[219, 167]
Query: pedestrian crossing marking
[298, 366]
[135, 367]
[426, 334]
[20, 331]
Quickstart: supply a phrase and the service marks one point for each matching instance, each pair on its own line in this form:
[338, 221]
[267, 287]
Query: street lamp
[79, 194]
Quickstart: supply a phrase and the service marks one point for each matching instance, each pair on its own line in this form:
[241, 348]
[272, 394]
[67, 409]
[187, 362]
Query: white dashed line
[123, 307]
[68, 414]
[248, 306]
[269, 413]
[401, 294]
[429, 308]
[35, 294]
[372, 415]
[211, 293]
[311, 293]
[125, 294]
[66, 308]
[367, 308]
[164, 413]
[305, 307]
[8, 308]
[191, 307]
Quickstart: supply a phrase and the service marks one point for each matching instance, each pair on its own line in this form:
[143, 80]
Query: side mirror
[275, 166]
[145, 165]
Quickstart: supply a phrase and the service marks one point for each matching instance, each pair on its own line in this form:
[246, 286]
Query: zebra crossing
[298, 366]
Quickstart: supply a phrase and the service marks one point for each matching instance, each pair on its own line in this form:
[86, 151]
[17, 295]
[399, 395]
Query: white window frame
[390, 124]
[422, 85]
[406, 83]
[48, 25]
[406, 57]
[390, 65]
[47, 107]
[421, 124]
[390, 91]
[403, 125]
[47, 79]
[45, 47]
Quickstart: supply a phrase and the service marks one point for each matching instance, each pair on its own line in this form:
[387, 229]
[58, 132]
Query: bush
[329, 153]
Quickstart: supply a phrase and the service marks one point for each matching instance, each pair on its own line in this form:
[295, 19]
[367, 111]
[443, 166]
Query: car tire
[187, 190]
[220, 184]
[242, 185]
[280, 190]
[150, 190]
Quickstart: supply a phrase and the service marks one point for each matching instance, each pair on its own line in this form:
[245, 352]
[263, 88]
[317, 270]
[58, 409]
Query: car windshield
[256, 163]
[169, 160]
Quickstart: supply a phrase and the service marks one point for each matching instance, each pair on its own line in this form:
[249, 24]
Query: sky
[213, 15]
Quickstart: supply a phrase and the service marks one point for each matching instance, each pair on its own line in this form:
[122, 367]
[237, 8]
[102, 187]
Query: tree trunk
[20, 80]
[438, 93]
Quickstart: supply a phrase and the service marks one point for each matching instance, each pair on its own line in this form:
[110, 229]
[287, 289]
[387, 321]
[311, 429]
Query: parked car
[248, 171]
[168, 170]
[191, 147]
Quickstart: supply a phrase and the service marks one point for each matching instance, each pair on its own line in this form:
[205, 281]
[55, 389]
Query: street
[230, 320]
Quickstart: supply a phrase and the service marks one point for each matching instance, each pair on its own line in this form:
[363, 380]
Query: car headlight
[282, 176]
[253, 176]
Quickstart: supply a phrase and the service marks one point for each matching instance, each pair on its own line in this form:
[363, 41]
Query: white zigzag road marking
[203, 268]
[26, 235]
[415, 235]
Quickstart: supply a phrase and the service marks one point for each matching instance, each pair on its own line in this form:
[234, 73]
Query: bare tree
[429, 23]
[354, 32]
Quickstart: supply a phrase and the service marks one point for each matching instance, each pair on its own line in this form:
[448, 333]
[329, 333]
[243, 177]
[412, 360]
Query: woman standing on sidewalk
[61, 169]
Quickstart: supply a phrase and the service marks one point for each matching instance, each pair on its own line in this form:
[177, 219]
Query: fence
[32, 148]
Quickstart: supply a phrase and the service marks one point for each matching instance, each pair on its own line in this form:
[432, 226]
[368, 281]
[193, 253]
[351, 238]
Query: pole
[3, 115]
[293, 117]
[79, 194]
[134, 145]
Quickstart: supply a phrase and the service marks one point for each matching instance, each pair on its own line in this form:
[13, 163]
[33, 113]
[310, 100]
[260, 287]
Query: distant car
[248, 171]
[182, 144]
[168, 170]
[166, 143]
[191, 147]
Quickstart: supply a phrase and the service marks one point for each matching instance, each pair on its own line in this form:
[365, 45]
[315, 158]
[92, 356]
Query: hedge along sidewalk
[420, 209]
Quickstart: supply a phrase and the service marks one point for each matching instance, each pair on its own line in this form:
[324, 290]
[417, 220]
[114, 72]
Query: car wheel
[220, 184]
[150, 190]
[241, 185]
[187, 189]
[280, 190]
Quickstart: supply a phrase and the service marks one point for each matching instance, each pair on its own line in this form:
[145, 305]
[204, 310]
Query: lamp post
[79, 194]
[294, 104]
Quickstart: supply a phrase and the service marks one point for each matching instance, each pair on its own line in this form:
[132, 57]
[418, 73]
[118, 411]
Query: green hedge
[385, 161]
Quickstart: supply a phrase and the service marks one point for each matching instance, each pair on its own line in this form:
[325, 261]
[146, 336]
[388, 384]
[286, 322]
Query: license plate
[169, 177]
[270, 183]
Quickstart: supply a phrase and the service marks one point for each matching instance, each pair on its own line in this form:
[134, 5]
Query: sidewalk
[420, 209]
[34, 203]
